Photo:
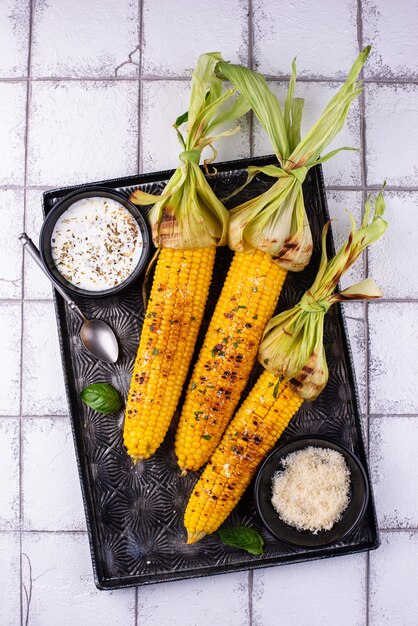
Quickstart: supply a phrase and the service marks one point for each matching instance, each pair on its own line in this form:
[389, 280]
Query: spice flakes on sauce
[96, 244]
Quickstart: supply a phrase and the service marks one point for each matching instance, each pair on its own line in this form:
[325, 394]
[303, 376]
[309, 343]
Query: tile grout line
[378, 80]
[394, 415]
[28, 531]
[140, 82]
[274, 78]
[25, 194]
[388, 188]
[11, 301]
[69, 79]
[250, 596]
[326, 79]
[363, 166]
[31, 416]
[399, 529]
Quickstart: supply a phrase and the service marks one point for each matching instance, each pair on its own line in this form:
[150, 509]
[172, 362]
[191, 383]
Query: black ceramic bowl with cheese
[358, 495]
[95, 242]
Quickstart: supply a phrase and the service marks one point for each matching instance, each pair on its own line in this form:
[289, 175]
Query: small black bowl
[359, 496]
[60, 208]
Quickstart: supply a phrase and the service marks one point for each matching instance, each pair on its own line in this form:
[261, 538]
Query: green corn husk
[188, 214]
[276, 221]
[292, 346]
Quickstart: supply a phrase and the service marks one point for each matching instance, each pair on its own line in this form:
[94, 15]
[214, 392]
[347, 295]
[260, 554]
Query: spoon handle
[33, 251]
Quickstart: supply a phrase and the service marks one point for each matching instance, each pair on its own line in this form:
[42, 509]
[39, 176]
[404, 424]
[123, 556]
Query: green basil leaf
[181, 119]
[102, 397]
[243, 537]
[276, 388]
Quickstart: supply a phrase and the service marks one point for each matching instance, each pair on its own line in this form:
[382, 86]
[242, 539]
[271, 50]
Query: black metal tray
[134, 514]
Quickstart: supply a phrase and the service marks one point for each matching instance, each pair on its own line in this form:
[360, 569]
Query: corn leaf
[276, 221]
[188, 214]
[292, 346]
[296, 122]
[253, 87]
[332, 118]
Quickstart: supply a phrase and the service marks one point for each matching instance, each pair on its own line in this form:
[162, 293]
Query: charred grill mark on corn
[251, 434]
[247, 302]
[174, 313]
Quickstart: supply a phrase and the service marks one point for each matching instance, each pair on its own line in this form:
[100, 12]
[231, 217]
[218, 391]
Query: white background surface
[89, 90]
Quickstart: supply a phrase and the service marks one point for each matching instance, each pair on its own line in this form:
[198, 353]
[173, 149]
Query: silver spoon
[96, 335]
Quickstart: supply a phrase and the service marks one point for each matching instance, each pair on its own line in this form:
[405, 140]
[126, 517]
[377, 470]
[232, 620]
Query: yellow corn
[251, 434]
[247, 302]
[174, 313]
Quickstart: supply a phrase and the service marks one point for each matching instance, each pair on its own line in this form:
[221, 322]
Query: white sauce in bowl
[96, 244]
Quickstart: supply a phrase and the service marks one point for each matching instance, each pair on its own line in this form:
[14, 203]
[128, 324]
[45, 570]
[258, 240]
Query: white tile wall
[324, 593]
[391, 260]
[10, 356]
[63, 590]
[393, 446]
[285, 29]
[10, 579]
[92, 45]
[190, 29]
[12, 133]
[48, 458]
[42, 383]
[11, 216]
[393, 372]
[392, 569]
[393, 37]
[37, 286]
[101, 95]
[391, 133]
[197, 602]
[9, 473]
[81, 131]
[14, 39]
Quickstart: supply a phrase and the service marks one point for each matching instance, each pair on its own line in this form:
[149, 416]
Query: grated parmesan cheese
[312, 491]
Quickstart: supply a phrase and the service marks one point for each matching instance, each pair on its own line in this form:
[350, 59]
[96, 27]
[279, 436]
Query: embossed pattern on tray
[134, 514]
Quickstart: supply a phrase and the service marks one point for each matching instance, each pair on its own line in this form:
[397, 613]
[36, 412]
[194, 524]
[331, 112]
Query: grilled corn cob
[174, 313]
[188, 222]
[250, 435]
[293, 354]
[270, 235]
[228, 354]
